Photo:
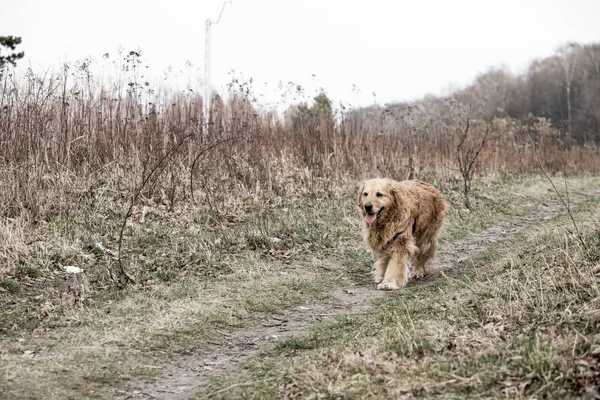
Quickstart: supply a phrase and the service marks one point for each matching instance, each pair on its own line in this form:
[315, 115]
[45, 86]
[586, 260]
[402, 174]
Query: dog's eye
[378, 194]
[365, 194]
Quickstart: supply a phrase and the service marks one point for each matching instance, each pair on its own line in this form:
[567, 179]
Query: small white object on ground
[71, 269]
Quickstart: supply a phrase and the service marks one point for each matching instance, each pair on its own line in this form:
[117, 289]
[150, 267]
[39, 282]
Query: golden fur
[401, 223]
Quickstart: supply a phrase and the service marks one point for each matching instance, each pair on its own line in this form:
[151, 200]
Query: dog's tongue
[370, 218]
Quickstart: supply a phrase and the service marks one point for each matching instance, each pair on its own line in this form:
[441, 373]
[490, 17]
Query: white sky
[398, 49]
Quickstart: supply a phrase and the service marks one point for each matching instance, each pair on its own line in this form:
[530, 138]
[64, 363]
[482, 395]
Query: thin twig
[204, 151]
[567, 206]
[562, 159]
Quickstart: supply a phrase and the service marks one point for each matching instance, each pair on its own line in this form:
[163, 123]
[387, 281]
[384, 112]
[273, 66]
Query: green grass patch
[11, 285]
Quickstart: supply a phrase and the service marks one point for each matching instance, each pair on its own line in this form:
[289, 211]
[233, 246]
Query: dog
[401, 224]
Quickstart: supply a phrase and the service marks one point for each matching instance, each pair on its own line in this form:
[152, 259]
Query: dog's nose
[368, 207]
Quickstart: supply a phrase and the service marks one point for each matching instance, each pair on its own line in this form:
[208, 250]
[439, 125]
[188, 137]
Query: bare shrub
[471, 136]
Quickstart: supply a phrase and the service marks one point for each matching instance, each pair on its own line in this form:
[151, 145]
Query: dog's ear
[394, 193]
[360, 192]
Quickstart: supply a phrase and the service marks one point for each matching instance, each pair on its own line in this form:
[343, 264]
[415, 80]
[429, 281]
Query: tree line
[563, 88]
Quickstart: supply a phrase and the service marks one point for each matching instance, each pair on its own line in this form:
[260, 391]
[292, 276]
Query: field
[511, 307]
[228, 262]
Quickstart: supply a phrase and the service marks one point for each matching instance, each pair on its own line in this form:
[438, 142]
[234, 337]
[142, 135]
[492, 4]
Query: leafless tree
[568, 55]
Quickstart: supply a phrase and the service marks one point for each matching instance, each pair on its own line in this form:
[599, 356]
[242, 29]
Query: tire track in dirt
[190, 373]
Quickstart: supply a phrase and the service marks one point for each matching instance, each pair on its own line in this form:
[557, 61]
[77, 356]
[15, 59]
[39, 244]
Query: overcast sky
[397, 49]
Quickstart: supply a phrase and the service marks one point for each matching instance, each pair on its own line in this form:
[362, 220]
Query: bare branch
[145, 178]
[204, 151]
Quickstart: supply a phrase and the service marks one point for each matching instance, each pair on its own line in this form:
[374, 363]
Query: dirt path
[192, 372]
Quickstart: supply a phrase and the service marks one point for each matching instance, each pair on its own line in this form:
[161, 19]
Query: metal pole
[207, 91]
[207, 95]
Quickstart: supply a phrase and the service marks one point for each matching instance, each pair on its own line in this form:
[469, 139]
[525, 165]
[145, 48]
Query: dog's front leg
[380, 267]
[396, 274]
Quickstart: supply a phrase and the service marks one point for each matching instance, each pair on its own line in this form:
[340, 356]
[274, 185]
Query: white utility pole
[207, 91]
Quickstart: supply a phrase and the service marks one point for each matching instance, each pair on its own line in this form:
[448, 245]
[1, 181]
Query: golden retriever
[401, 224]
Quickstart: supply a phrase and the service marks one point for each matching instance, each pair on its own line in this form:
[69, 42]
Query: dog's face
[374, 198]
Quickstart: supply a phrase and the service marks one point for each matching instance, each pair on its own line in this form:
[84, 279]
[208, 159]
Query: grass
[198, 271]
[499, 196]
[10, 285]
[520, 320]
[31, 272]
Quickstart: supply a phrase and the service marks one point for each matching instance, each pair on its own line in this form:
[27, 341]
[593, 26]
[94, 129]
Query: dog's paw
[420, 274]
[388, 286]
[377, 278]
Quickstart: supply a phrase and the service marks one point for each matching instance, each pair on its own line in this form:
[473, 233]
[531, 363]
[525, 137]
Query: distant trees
[563, 88]
[321, 111]
[8, 44]
[491, 92]
[322, 106]
[312, 129]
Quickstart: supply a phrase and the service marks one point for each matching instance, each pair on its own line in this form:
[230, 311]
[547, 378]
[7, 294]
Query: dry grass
[199, 272]
[256, 215]
[520, 321]
[76, 152]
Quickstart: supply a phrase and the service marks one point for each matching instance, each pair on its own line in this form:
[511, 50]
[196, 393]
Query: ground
[275, 301]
